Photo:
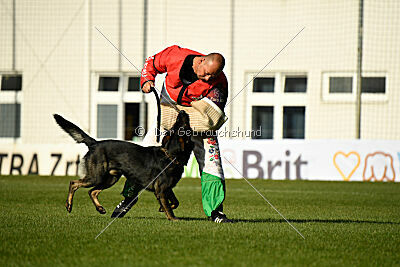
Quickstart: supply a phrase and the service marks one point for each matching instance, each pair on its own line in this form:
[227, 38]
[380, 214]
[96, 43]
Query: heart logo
[346, 164]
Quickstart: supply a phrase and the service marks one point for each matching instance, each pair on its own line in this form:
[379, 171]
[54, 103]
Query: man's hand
[147, 86]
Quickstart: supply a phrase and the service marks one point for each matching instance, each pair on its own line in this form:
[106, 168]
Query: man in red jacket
[196, 84]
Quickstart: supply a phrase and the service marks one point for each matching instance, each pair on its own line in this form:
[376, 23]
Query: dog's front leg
[167, 207]
[172, 200]
[160, 193]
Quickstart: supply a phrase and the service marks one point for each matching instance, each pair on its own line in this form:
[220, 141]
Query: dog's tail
[74, 131]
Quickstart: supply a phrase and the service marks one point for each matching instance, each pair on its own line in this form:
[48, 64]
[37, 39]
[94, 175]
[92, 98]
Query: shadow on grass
[270, 220]
[310, 221]
[164, 218]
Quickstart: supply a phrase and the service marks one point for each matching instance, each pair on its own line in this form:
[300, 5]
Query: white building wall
[50, 53]
[6, 33]
[327, 43]
[60, 70]
[381, 54]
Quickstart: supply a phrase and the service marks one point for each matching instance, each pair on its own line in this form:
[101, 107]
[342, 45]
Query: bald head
[217, 60]
[209, 66]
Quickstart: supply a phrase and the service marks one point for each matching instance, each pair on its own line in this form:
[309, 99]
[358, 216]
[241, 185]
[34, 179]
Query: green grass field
[343, 224]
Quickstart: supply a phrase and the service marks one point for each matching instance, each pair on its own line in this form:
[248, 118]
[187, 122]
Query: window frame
[375, 93]
[352, 97]
[294, 75]
[108, 76]
[263, 77]
[283, 121]
[278, 99]
[10, 74]
[118, 98]
[256, 128]
[97, 121]
[13, 97]
[127, 83]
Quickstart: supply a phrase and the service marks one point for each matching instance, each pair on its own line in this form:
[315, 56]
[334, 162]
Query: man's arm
[218, 95]
[154, 65]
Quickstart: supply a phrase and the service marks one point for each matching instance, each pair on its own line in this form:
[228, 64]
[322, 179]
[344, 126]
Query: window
[133, 84]
[342, 87]
[293, 122]
[263, 117]
[107, 121]
[264, 85]
[10, 120]
[374, 85]
[340, 84]
[295, 84]
[11, 82]
[10, 105]
[108, 83]
[132, 117]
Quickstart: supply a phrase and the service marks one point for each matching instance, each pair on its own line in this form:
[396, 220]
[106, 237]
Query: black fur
[107, 160]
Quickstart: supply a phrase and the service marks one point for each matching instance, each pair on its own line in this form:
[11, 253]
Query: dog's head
[178, 140]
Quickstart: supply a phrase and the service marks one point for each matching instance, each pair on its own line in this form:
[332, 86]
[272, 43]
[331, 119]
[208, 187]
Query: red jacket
[170, 60]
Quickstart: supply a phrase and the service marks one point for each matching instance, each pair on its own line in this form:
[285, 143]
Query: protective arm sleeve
[207, 115]
[204, 115]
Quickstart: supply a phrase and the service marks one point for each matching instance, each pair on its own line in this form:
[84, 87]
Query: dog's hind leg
[93, 194]
[95, 191]
[73, 186]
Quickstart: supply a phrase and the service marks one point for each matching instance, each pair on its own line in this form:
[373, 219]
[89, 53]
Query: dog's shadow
[163, 218]
[270, 220]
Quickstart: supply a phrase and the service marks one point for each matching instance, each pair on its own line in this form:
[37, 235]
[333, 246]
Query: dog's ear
[165, 140]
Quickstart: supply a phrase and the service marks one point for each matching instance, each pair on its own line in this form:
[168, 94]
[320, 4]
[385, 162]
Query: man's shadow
[270, 220]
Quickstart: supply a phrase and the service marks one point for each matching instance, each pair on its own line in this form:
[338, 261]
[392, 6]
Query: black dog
[107, 160]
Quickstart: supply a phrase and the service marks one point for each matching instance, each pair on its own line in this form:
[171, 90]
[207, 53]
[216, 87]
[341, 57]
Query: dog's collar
[173, 159]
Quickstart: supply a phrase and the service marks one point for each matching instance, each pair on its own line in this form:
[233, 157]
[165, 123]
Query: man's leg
[131, 191]
[213, 190]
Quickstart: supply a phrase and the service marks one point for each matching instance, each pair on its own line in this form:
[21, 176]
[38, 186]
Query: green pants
[212, 192]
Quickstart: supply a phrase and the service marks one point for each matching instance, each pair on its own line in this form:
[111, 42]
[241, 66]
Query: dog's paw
[68, 207]
[173, 206]
[174, 219]
[101, 210]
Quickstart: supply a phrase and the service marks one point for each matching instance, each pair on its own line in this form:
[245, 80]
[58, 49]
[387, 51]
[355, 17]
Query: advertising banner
[323, 160]
[41, 159]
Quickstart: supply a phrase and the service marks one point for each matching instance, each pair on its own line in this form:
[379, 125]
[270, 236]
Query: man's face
[207, 70]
